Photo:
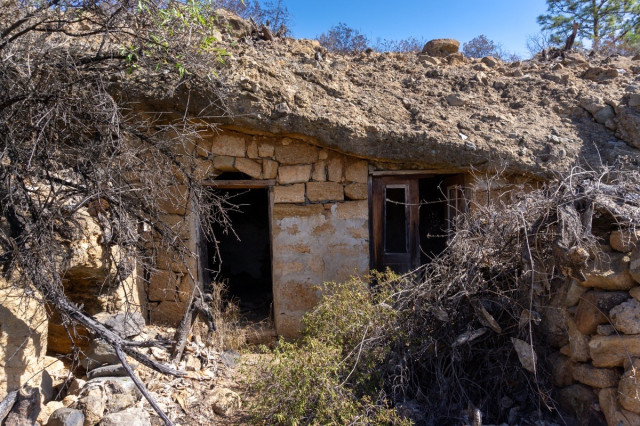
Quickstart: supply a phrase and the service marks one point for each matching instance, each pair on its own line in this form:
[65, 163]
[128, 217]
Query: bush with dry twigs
[460, 338]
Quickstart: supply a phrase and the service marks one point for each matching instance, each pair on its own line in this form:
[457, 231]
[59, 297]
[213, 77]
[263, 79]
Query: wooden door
[395, 219]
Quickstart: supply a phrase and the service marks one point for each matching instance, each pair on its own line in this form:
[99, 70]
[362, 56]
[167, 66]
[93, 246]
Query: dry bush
[438, 343]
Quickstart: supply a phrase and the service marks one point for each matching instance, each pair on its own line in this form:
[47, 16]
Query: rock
[595, 377]
[127, 324]
[611, 272]
[109, 371]
[634, 265]
[613, 413]
[560, 369]
[606, 330]
[606, 113]
[119, 402]
[130, 416]
[66, 417]
[441, 47]
[600, 74]
[225, 401]
[490, 61]
[635, 293]
[629, 389]
[230, 358]
[578, 343]
[455, 99]
[573, 294]
[624, 240]
[580, 402]
[634, 99]
[98, 353]
[426, 59]
[626, 317]
[593, 309]
[92, 403]
[192, 363]
[628, 126]
[612, 351]
[47, 410]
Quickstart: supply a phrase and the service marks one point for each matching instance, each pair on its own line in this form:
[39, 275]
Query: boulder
[626, 317]
[628, 126]
[610, 272]
[441, 47]
[99, 353]
[624, 240]
[130, 416]
[593, 309]
[126, 324]
[612, 351]
[47, 410]
[600, 74]
[595, 377]
[224, 401]
[66, 417]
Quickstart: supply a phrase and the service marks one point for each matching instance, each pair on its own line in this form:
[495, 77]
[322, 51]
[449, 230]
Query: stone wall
[595, 324]
[319, 221]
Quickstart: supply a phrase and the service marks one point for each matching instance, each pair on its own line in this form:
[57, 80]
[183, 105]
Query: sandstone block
[629, 389]
[323, 154]
[356, 191]
[334, 169]
[441, 47]
[319, 173]
[593, 309]
[163, 285]
[283, 211]
[353, 210]
[296, 154]
[203, 170]
[635, 293]
[252, 150]
[624, 240]
[223, 163]
[294, 174]
[325, 191]
[612, 351]
[609, 273]
[289, 194]
[560, 369]
[628, 126]
[250, 167]
[357, 171]
[234, 146]
[167, 312]
[626, 317]
[613, 413]
[265, 150]
[269, 169]
[578, 343]
[595, 377]
[573, 294]
[175, 200]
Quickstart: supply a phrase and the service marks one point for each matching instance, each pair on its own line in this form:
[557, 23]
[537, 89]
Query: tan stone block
[319, 173]
[203, 169]
[353, 210]
[613, 351]
[229, 145]
[269, 169]
[252, 150]
[323, 154]
[634, 264]
[595, 377]
[356, 191]
[175, 200]
[613, 413]
[629, 389]
[334, 169]
[296, 153]
[265, 150]
[609, 273]
[289, 194]
[224, 163]
[294, 174]
[624, 240]
[578, 343]
[168, 312]
[163, 285]
[593, 309]
[282, 211]
[356, 171]
[325, 191]
[249, 167]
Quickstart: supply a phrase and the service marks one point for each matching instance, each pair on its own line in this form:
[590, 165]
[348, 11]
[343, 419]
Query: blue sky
[507, 22]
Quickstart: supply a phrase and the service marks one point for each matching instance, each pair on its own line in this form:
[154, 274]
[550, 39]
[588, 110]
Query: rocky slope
[536, 117]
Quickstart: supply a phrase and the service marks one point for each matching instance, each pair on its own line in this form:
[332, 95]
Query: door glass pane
[395, 220]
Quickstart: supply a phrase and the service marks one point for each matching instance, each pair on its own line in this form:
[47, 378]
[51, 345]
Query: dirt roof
[536, 117]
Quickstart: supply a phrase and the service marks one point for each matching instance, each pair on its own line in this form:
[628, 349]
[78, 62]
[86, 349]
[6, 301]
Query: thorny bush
[437, 344]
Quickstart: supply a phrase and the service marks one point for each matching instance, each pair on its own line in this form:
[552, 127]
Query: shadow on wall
[23, 339]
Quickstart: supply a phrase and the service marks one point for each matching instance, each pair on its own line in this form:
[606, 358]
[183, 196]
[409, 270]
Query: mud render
[362, 163]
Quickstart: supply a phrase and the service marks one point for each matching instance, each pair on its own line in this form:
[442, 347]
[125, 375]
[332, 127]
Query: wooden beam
[240, 184]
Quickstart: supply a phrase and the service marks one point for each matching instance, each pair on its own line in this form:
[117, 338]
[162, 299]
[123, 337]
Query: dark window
[395, 220]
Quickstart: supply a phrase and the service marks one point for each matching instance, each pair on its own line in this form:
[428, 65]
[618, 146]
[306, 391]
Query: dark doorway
[243, 256]
[411, 218]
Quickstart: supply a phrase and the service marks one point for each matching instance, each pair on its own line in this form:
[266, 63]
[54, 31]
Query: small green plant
[332, 375]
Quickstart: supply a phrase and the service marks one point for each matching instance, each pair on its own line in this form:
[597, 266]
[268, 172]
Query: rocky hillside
[536, 116]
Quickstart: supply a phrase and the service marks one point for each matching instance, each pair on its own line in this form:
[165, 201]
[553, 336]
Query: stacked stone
[598, 369]
[308, 182]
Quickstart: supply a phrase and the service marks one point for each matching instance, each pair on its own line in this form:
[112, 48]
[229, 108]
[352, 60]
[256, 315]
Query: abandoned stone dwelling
[342, 164]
